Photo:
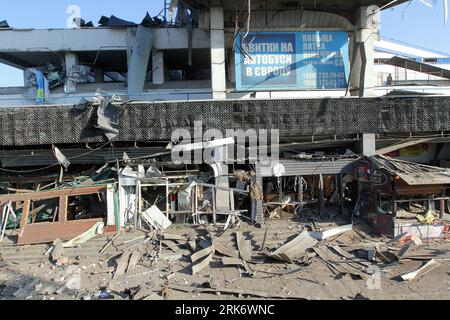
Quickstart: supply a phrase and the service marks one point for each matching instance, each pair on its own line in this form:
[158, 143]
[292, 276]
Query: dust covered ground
[164, 268]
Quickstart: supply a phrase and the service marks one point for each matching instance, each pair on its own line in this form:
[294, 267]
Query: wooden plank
[62, 213]
[327, 259]
[226, 251]
[404, 250]
[341, 265]
[226, 261]
[244, 246]
[51, 194]
[24, 219]
[196, 268]
[172, 245]
[122, 264]
[169, 236]
[344, 266]
[49, 231]
[350, 256]
[260, 294]
[202, 253]
[294, 248]
[134, 260]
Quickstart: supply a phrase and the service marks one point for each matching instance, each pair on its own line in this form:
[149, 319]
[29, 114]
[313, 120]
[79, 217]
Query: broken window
[43, 211]
[90, 206]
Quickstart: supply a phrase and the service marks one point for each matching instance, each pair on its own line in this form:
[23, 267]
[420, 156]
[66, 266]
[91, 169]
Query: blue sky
[415, 24]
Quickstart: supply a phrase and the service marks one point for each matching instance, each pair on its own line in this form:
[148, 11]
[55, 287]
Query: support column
[363, 79]
[158, 67]
[368, 144]
[99, 75]
[232, 69]
[218, 78]
[224, 199]
[71, 60]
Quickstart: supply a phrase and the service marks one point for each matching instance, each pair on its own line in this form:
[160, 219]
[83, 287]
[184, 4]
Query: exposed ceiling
[278, 4]
[109, 60]
[345, 8]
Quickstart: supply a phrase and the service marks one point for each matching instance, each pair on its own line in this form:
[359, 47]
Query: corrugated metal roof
[413, 173]
[408, 50]
[419, 67]
[30, 158]
[305, 168]
[298, 20]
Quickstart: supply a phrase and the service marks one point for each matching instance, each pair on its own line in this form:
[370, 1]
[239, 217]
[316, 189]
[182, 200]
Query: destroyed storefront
[180, 195]
[178, 231]
[403, 197]
[308, 186]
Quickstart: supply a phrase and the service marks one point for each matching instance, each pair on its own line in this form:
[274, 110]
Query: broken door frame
[63, 229]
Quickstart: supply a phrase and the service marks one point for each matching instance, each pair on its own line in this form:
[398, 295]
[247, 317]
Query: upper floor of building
[216, 49]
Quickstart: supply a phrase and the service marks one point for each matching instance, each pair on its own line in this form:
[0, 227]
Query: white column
[223, 197]
[71, 60]
[363, 79]
[368, 144]
[217, 53]
[158, 67]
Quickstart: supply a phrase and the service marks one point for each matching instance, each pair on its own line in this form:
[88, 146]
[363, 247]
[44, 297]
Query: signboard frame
[297, 70]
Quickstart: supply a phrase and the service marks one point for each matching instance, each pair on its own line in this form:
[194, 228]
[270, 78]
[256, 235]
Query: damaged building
[211, 135]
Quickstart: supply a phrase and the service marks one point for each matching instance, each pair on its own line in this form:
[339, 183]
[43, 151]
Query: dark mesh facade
[31, 126]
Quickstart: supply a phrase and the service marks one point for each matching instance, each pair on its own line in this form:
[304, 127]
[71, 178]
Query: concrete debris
[137, 268]
[169, 236]
[322, 235]
[109, 243]
[57, 250]
[294, 248]
[339, 264]
[201, 259]
[244, 247]
[154, 297]
[201, 254]
[404, 250]
[259, 294]
[26, 290]
[140, 230]
[199, 266]
[122, 264]
[428, 267]
[134, 260]
[171, 256]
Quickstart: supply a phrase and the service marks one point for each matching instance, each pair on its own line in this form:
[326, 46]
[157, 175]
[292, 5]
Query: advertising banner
[292, 60]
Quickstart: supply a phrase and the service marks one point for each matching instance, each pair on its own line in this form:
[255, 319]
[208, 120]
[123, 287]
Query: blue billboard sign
[292, 60]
